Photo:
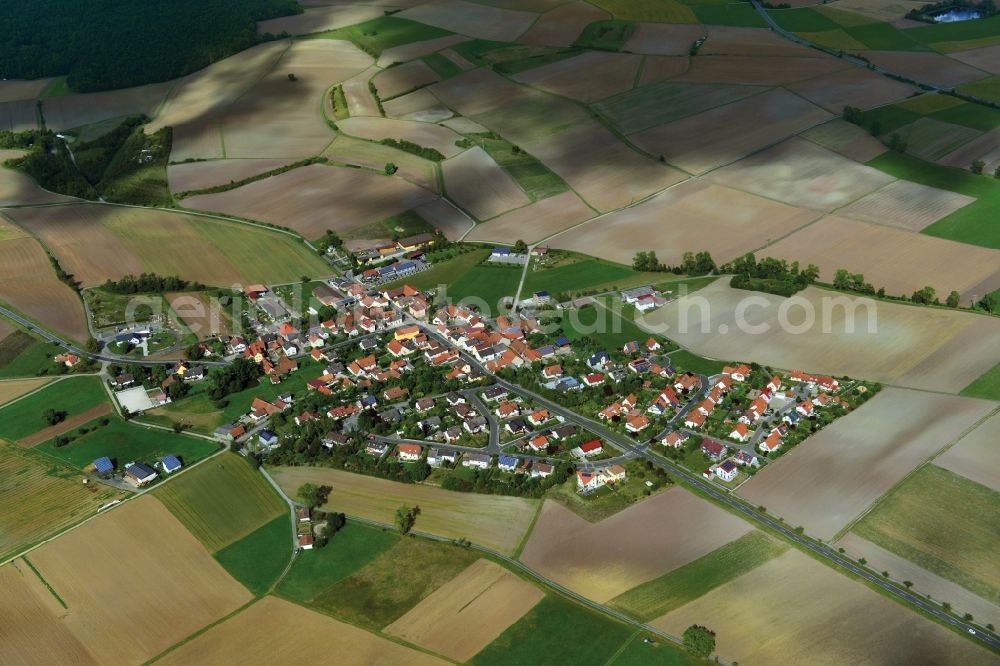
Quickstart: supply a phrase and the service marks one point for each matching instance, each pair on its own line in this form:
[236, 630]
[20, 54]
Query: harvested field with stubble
[407, 52]
[986, 148]
[446, 218]
[29, 284]
[536, 221]
[987, 57]
[695, 215]
[661, 68]
[395, 81]
[190, 176]
[976, 456]
[795, 601]
[906, 205]
[472, 19]
[18, 116]
[482, 90]
[759, 70]
[607, 74]
[137, 545]
[419, 105]
[852, 87]
[732, 41]
[292, 635]
[922, 348]
[12, 90]
[491, 520]
[478, 184]
[359, 98]
[898, 260]
[374, 156]
[17, 187]
[827, 481]
[931, 139]
[15, 388]
[427, 135]
[70, 111]
[663, 38]
[724, 134]
[933, 68]
[562, 25]
[301, 199]
[800, 173]
[467, 613]
[846, 139]
[631, 547]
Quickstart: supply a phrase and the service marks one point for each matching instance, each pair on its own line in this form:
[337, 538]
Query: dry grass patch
[536, 221]
[293, 634]
[846, 139]
[466, 614]
[832, 477]
[933, 68]
[693, 216]
[812, 614]
[760, 70]
[663, 38]
[397, 80]
[606, 74]
[212, 173]
[851, 87]
[602, 560]
[135, 582]
[724, 134]
[898, 260]
[427, 135]
[319, 19]
[801, 173]
[907, 205]
[201, 314]
[562, 25]
[301, 199]
[493, 521]
[474, 20]
[931, 349]
[15, 388]
[976, 456]
[375, 156]
[419, 105]
[18, 188]
[478, 184]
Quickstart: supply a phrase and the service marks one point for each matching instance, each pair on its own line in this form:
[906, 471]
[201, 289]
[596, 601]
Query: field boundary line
[531, 528]
[7, 404]
[46, 583]
[619, 651]
[202, 630]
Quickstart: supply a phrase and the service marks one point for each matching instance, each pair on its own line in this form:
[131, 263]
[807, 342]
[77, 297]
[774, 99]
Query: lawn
[683, 360]
[73, 395]
[605, 35]
[584, 275]
[442, 65]
[655, 11]
[394, 582]
[944, 523]
[124, 443]
[568, 633]
[987, 386]
[315, 571]
[22, 355]
[606, 326]
[222, 501]
[974, 224]
[660, 653]
[407, 223]
[383, 33]
[739, 14]
[489, 283]
[690, 581]
[537, 181]
[258, 559]
[802, 19]
[444, 272]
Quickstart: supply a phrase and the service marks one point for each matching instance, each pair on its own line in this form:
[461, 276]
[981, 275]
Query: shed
[170, 464]
[103, 465]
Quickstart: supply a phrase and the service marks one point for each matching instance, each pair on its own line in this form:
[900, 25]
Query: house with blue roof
[562, 341]
[500, 252]
[103, 466]
[139, 474]
[170, 464]
[507, 463]
[268, 439]
[599, 360]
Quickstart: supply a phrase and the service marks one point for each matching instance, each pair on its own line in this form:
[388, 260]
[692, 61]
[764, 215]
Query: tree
[977, 167]
[194, 352]
[908, 584]
[925, 295]
[897, 143]
[699, 641]
[406, 517]
[842, 279]
[953, 299]
[92, 345]
[390, 168]
[53, 416]
[646, 261]
[996, 172]
[292, 77]
[520, 246]
[308, 493]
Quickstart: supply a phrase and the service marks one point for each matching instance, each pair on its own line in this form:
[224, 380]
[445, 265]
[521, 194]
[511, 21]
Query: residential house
[695, 419]
[552, 371]
[745, 459]
[477, 460]
[805, 408]
[635, 424]
[139, 474]
[408, 452]
[740, 433]
[727, 471]
[507, 463]
[652, 345]
[267, 439]
[377, 449]
[475, 424]
[394, 393]
[594, 379]
[631, 347]
[589, 448]
[538, 443]
[538, 417]
[714, 450]
[686, 382]
[674, 439]
[739, 373]
[771, 443]
[494, 393]
[69, 360]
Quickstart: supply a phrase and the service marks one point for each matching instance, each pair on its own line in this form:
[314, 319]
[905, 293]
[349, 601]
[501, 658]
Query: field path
[65, 425]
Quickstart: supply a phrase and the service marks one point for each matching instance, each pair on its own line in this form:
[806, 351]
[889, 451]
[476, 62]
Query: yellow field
[274, 631]
[602, 560]
[809, 613]
[135, 582]
[15, 388]
[491, 520]
[466, 614]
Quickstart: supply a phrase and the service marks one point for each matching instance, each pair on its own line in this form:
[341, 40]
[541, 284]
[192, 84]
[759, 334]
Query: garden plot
[69, 111]
[413, 50]
[375, 156]
[933, 68]
[319, 19]
[813, 614]
[831, 478]
[474, 20]
[906, 205]
[846, 139]
[663, 38]
[853, 86]
[202, 175]
[18, 188]
[467, 613]
[446, 218]
[760, 70]
[562, 25]
[606, 74]
[986, 58]
[478, 184]
[977, 455]
[404, 78]
[302, 199]
[693, 216]
[282, 118]
[930, 139]
[801, 173]
[934, 350]
[986, 148]
[420, 105]
[724, 134]
[425, 135]
[661, 68]
[536, 221]
[631, 547]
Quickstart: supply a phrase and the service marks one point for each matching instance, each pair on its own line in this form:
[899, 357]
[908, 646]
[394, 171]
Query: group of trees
[106, 44]
[312, 495]
[148, 283]
[494, 482]
[241, 374]
[775, 276]
[406, 517]
[691, 263]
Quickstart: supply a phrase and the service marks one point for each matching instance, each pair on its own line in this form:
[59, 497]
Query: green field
[802, 19]
[537, 181]
[582, 275]
[655, 11]
[22, 355]
[442, 65]
[986, 386]
[258, 559]
[222, 501]
[739, 14]
[884, 37]
[444, 272]
[606, 326]
[944, 523]
[383, 33]
[556, 626]
[974, 224]
[490, 283]
[73, 395]
[963, 31]
[889, 118]
[394, 582]
[661, 653]
[606, 35]
[987, 88]
[684, 360]
[126, 442]
[316, 571]
[686, 583]
[974, 116]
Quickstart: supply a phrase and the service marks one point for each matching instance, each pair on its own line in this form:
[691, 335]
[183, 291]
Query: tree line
[148, 283]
